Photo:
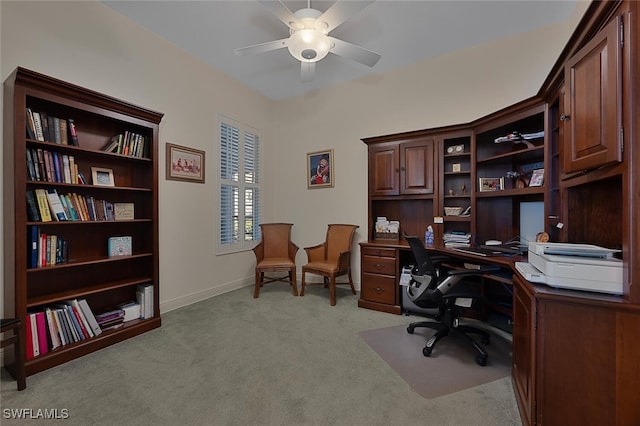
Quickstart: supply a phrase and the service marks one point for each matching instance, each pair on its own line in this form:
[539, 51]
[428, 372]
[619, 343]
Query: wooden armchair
[275, 253]
[331, 259]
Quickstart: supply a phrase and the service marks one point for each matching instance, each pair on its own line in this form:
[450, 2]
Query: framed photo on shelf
[102, 177]
[490, 184]
[537, 178]
[320, 172]
[185, 164]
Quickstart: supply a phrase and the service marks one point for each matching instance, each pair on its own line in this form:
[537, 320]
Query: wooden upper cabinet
[592, 113]
[416, 167]
[384, 169]
[402, 168]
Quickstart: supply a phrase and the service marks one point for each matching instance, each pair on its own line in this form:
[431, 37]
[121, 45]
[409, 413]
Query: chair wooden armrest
[316, 253]
[259, 251]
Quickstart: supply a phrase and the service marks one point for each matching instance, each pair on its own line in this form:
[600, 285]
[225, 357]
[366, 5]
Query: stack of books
[456, 239]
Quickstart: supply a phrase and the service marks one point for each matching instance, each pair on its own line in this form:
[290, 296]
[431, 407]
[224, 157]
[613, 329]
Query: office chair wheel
[426, 351]
[410, 329]
[481, 360]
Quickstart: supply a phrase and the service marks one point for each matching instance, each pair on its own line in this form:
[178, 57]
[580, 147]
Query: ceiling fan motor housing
[308, 41]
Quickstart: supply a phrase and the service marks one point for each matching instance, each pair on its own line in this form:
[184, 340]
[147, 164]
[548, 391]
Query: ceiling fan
[309, 40]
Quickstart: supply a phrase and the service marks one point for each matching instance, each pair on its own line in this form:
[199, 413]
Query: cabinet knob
[564, 117]
[379, 265]
[397, 170]
[402, 168]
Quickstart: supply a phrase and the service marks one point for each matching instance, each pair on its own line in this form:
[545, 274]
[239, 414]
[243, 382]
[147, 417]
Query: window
[239, 186]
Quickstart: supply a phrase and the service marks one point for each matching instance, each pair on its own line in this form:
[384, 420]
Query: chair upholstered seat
[275, 253]
[276, 262]
[331, 259]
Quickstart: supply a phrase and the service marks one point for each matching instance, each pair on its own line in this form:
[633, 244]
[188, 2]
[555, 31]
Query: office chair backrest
[424, 276]
[423, 262]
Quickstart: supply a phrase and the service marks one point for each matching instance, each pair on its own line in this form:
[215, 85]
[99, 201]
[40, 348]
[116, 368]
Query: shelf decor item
[320, 169]
[490, 184]
[452, 211]
[537, 178]
[102, 176]
[120, 246]
[185, 164]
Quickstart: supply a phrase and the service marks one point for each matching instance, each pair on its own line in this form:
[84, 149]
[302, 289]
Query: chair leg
[332, 290]
[294, 283]
[256, 290]
[303, 283]
[353, 290]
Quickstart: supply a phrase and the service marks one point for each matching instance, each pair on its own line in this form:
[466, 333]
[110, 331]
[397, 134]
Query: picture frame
[456, 167]
[490, 184]
[102, 177]
[537, 178]
[320, 169]
[184, 163]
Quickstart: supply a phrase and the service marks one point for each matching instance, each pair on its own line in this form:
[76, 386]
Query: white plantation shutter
[239, 196]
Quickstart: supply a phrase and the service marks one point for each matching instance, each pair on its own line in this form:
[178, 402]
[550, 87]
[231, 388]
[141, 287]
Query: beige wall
[88, 44]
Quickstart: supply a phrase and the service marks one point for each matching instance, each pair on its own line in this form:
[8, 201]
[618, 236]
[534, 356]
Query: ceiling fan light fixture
[309, 45]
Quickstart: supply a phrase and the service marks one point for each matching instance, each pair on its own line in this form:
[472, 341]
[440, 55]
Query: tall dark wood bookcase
[89, 273]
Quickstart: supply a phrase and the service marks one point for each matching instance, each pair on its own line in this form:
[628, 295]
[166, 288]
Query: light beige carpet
[451, 366]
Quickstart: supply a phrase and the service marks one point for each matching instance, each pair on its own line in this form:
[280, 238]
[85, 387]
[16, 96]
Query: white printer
[573, 266]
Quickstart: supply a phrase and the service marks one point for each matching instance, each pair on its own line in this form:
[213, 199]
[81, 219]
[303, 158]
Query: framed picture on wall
[185, 164]
[320, 170]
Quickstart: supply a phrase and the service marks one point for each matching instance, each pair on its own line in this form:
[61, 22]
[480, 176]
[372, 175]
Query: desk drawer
[379, 265]
[378, 251]
[379, 288]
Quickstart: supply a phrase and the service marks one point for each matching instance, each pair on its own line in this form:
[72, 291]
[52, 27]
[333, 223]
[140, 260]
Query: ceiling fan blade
[307, 71]
[262, 47]
[340, 11]
[281, 11]
[353, 52]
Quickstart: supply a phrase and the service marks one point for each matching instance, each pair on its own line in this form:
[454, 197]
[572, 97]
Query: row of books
[58, 325]
[128, 143]
[45, 249]
[47, 128]
[47, 205]
[46, 166]
[456, 239]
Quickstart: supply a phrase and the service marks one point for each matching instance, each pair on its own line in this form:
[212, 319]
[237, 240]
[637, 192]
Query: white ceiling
[403, 32]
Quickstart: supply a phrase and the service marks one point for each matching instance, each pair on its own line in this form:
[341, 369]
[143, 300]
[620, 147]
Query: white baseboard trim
[179, 302]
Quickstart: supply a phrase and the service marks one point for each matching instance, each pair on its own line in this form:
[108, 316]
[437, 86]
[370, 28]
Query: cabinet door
[523, 350]
[384, 170]
[592, 117]
[416, 167]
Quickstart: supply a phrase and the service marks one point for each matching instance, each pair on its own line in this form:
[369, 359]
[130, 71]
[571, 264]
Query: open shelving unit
[89, 272]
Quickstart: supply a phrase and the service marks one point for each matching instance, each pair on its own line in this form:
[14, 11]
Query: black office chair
[449, 295]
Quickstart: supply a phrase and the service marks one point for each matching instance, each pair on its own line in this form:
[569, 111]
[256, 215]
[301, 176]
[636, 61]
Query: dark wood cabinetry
[573, 359]
[400, 168]
[89, 272]
[379, 289]
[592, 111]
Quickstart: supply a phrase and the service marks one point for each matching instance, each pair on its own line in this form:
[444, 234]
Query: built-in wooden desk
[576, 354]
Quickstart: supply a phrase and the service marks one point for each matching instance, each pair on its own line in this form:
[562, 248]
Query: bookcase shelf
[88, 272]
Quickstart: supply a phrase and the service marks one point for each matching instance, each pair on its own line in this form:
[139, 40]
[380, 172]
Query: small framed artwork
[102, 177]
[456, 167]
[491, 184]
[537, 178]
[185, 164]
[320, 172]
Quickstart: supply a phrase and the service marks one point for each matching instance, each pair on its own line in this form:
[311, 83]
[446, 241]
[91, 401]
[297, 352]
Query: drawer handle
[379, 289]
[379, 265]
